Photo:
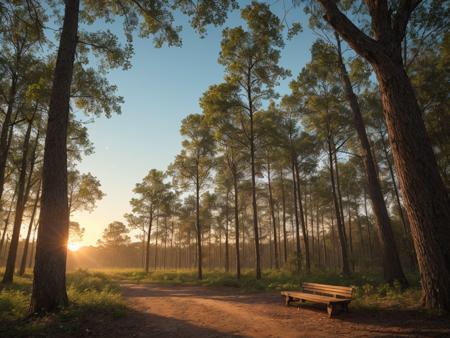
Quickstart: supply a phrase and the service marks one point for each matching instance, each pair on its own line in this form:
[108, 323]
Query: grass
[370, 292]
[94, 299]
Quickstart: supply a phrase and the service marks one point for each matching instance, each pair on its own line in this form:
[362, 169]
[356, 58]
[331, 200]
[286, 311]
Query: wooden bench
[332, 295]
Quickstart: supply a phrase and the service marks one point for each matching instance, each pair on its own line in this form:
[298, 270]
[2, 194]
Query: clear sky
[162, 87]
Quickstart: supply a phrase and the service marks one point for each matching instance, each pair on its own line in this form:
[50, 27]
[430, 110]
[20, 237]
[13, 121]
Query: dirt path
[180, 311]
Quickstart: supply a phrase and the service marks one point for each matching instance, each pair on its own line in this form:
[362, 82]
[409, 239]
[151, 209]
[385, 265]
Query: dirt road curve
[169, 311]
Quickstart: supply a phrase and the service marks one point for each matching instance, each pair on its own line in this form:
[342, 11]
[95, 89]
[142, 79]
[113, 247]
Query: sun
[73, 246]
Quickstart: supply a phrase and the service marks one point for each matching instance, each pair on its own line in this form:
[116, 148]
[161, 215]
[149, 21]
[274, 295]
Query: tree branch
[358, 40]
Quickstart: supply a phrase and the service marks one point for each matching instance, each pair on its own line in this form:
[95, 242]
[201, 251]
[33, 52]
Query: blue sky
[162, 87]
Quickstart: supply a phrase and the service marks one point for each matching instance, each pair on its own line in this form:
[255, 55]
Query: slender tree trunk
[198, 226]
[227, 221]
[156, 240]
[340, 225]
[302, 217]
[272, 212]
[254, 203]
[20, 206]
[8, 216]
[236, 225]
[49, 284]
[147, 247]
[297, 226]
[30, 261]
[283, 201]
[338, 189]
[391, 261]
[325, 254]
[318, 236]
[5, 131]
[27, 239]
[369, 236]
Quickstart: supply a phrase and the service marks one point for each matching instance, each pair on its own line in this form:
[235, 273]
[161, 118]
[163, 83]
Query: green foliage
[89, 293]
[84, 191]
[115, 235]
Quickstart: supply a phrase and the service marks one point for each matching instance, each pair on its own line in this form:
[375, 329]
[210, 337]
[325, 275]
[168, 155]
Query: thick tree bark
[340, 226]
[49, 284]
[426, 199]
[391, 261]
[406, 231]
[20, 206]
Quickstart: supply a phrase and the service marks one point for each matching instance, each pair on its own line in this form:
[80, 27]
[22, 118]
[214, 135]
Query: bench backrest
[329, 290]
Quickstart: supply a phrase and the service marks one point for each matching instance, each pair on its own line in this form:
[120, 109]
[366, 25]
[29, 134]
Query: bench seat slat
[331, 293]
[325, 289]
[344, 288]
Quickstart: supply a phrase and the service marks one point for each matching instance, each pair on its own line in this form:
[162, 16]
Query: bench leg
[287, 300]
[330, 310]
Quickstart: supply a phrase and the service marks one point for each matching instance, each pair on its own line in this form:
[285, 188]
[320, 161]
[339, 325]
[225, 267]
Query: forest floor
[198, 311]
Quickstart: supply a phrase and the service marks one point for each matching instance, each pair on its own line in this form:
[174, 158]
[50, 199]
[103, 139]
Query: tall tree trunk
[340, 225]
[8, 216]
[338, 189]
[254, 203]
[325, 254]
[198, 226]
[297, 226]
[5, 132]
[426, 199]
[20, 206]
[49, 284]
[227, 221]
[272, 212]
[30, 261]
[236, 224]
[156, 240]
[318, 236]
[391, 262]
[147, 247]
[27, 239]
[283, 201]
[302, 217]
[406, 232]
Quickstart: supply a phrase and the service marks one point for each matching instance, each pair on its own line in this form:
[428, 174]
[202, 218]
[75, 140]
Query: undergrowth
[94, 299]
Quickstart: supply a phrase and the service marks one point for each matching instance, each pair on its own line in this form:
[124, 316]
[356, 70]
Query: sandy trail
[182, 311]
